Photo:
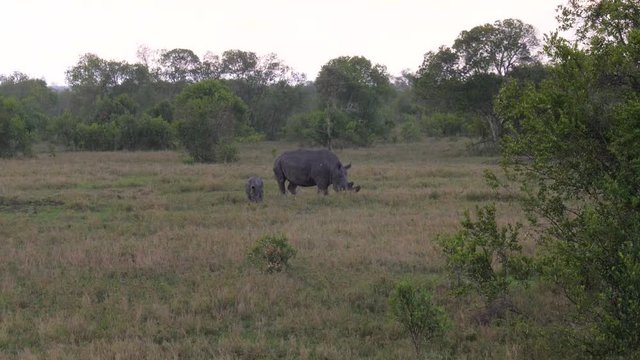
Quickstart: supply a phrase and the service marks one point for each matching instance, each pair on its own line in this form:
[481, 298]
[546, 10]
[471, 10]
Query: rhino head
[350, 187]
[254, 188]
[339, 177]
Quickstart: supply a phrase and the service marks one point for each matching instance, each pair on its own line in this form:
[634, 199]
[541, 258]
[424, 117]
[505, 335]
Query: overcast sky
[43, 38]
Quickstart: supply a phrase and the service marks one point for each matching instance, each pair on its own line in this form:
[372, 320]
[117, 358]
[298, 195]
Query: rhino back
[304, 167]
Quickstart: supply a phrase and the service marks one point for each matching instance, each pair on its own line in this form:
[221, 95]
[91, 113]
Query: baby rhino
[254, 189]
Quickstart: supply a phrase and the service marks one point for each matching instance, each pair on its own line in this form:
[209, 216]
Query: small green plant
[414, 308]
[226, 153]
[483, 257]
[410, 131]
[272, 253]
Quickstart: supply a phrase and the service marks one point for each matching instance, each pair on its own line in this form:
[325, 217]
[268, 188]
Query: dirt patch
[26, 205]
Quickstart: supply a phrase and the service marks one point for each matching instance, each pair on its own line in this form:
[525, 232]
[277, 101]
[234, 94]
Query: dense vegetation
[115, 105]
[547, 265]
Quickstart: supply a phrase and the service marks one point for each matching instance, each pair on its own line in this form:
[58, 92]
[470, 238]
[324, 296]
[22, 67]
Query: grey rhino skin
[306, 167]
[253, 189]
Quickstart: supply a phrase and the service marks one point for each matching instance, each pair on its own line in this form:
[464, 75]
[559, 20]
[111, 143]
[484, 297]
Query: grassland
[133, 255]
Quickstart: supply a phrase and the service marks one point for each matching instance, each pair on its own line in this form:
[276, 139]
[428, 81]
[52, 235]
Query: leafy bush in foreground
[415, 310]
[272, 253]
[484, 257]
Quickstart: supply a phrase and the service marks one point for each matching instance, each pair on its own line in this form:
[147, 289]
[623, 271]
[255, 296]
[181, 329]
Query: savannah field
[130, 255]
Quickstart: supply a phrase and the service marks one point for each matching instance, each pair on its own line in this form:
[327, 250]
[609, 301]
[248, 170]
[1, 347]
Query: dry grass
[137, 254]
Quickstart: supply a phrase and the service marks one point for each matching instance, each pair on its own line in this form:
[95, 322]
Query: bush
[209, 116]
[146, 133]
[341, 129]
[62, 129]
[310, 127]
[410, 131]
[226, 153]
[272, 253]
[444, 124]
[164, 110]
[15, 136]
[97, 137]
[415, 310]
[483, 257]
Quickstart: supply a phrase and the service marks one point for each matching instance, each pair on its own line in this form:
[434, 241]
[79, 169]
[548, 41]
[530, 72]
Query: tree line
[113, 105]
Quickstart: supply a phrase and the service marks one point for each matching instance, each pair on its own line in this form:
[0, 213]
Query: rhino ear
[347, 166]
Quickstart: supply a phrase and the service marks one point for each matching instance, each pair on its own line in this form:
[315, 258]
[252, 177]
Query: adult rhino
[306, 167]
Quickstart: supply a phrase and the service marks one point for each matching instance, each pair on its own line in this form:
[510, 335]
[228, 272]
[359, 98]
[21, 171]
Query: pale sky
[44, 38]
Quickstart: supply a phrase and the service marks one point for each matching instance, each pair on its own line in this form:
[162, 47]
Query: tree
[210, 67]
[353, 87]
[238, 64]
[466, 77]
[92, 71]
[439, 79]
[15, 137]
[576, 156]
[92, 78]
[605, 21]
[179, 66]
[270, 88]
[145, 132]
[38, 101]
[208, 116]
[108, 108]
[496, 47]
[274, 106]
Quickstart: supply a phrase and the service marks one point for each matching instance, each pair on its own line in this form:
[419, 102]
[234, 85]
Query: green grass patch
[136, 255]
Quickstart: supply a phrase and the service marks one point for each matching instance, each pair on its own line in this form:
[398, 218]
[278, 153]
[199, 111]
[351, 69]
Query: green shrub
[329, 127]
[444, 124]
[483, 257]
[62, 129]
[209, 116]
[415, 310]
[164, 110]
[410, 131]
[310, 127]
[145, 132]
[226, 153]
[97, 137]
[15, 136]
[272, 253]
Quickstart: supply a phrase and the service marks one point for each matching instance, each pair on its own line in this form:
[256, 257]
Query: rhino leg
[324, 189]
[280, 178]
[323, 186]
[292, 188]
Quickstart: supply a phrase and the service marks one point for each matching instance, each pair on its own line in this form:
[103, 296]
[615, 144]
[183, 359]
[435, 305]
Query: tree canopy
[351, 102]
[209, 115]
[576, 156]
[352, 91]
[466, 77]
